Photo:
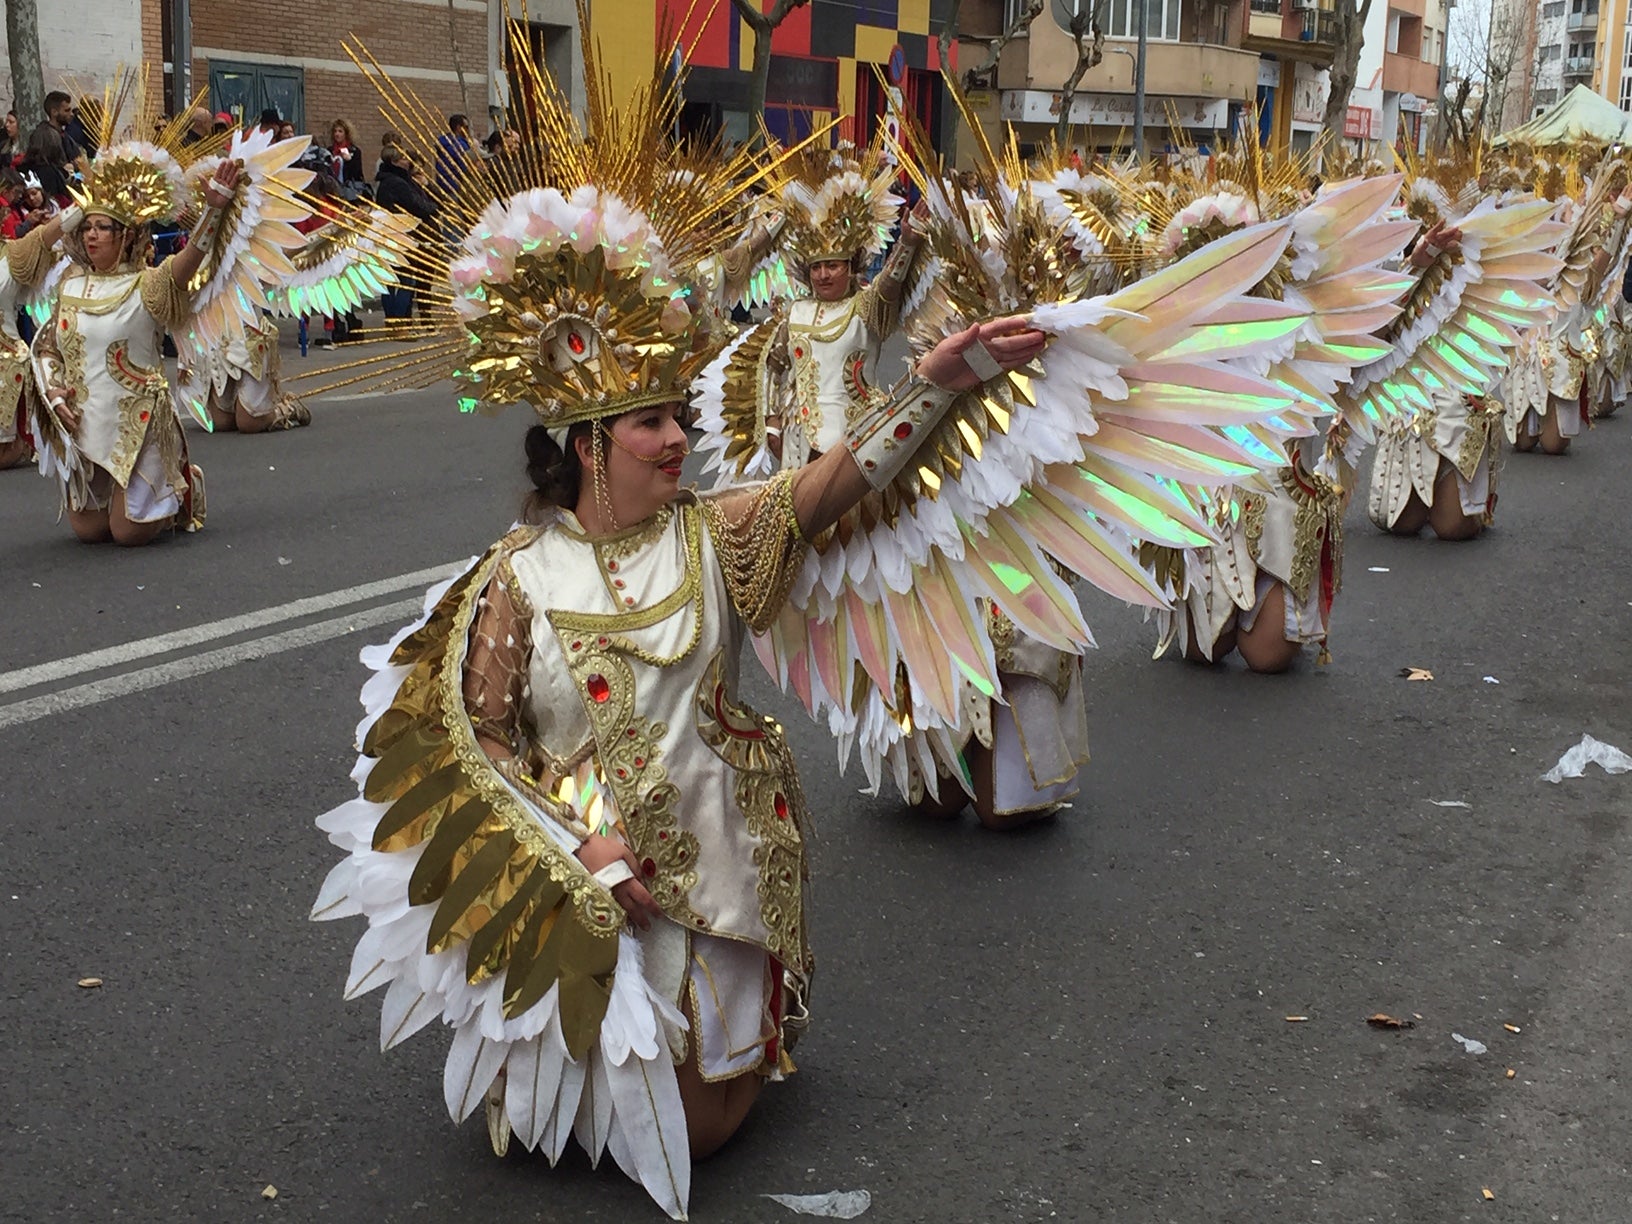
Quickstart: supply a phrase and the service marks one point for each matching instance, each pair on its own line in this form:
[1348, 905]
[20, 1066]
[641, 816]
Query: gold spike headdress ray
[839, 203]
[573, 286]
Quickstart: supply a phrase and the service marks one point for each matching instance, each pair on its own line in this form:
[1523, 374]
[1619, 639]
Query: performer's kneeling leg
[1265, 647]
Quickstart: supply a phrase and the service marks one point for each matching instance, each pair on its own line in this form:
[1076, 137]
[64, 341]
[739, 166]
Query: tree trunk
[458, 63]
[27, 75]
[763, 25]
[1351, 35]
[1088, 55]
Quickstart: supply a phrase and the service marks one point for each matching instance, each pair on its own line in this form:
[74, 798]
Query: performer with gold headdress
[110, 433]
[572, 842]
[1546, 391]
[26, 265]
[818, 353]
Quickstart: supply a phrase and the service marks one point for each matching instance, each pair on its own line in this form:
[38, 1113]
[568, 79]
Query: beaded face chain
[599, 436]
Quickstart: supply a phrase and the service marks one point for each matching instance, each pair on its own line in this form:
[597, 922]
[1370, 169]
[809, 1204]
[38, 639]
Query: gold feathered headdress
[839, 204]
[140, 174]
[575, 285]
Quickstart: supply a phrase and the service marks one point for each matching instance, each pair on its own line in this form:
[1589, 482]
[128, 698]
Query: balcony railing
[1578, 65]
[1582, 21]
[1319, 26]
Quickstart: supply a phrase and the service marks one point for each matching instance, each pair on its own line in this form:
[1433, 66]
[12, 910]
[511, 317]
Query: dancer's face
[830, 279]
[643, 461]
[104, 241]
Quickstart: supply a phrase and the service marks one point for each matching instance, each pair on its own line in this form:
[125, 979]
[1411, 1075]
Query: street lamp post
[1139, 85]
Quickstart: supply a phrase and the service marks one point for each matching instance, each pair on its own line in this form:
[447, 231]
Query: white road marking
[123, 685]
[180, 639]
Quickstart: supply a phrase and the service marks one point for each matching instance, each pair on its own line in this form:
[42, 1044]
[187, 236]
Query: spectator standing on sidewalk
[453, 153]
[44, 159]
[345, 156]
[11, 141]
[398, 190]
[59, 109]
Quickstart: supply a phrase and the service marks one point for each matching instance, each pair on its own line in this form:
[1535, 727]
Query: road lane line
[180, 639]
[126, 683]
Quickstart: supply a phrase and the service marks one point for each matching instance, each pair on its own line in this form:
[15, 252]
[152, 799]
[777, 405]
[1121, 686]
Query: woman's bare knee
[90, 526]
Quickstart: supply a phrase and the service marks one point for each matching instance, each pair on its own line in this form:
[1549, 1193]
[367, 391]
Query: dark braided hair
[556, 474]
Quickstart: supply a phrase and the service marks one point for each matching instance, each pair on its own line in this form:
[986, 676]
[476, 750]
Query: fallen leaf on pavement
[89, 983]
[1383, 1020]
[1511, 1073]
[1416, 673]
[1489, 1197]
[271, 1192]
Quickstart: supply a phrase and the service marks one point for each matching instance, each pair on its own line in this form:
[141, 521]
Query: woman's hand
[221, 188]
[61, 400]
[1009, 343]
[599, 851]
[1440, 236]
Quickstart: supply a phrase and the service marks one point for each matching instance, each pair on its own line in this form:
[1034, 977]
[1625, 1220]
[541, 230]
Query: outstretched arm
[824, 490]
[184, 264]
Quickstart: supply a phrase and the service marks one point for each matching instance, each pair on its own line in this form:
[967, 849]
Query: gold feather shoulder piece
[457, 865]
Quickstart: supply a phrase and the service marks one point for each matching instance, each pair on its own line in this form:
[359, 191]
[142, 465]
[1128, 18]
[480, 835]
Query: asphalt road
[1085, 1021]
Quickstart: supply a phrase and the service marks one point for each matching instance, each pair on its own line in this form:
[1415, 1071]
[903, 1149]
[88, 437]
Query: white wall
[82, 42]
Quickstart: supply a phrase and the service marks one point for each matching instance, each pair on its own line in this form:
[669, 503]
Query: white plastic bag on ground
[834, 1205]
[1574, 762]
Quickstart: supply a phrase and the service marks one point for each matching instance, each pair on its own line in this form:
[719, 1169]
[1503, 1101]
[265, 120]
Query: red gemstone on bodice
[903, 431]
[648, 868]
[575, 342]
[597, 688]
[779, 801]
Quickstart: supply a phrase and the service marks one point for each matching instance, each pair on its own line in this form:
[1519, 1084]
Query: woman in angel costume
[818, 354]
[110, 434]
[26, 265]
[571, 842]
[1546, 392]
[1376, 343]
[936, 632]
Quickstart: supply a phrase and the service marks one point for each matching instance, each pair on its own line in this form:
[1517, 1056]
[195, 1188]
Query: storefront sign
[1308, 94]
[1114, 110]
[1363, 123]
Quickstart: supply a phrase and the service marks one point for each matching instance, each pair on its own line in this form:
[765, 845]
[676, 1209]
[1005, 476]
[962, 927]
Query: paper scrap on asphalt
[834, 1205]
[1469, 1044]
[1416, 673]
[271, 1192]
[89, 983]
[1449, 803]
[1573, 764]
[1377, 569]
[1492, 680]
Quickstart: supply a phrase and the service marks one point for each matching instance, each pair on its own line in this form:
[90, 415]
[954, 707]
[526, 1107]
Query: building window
[1545, 98]
[1626, 51]
[1626, 94]
[1589, 7]
[1273, 7]
[1552, 9]
[1122, 17]
[1551, 54]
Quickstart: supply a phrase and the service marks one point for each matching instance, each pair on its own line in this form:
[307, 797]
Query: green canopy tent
[1578, 115]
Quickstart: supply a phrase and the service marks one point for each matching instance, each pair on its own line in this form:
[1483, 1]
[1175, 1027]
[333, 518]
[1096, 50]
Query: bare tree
[1090, 52]
[458, 62]
[1490, 49]
[975, 74]
[27, 75]
[763, 25]
[1349, 35]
